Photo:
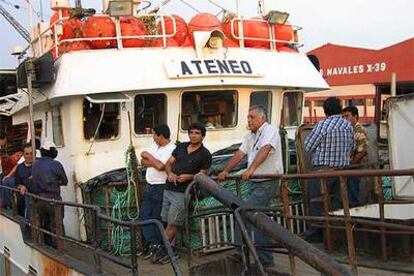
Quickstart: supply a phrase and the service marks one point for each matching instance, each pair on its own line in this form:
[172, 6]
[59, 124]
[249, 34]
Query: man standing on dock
[264, 156]
[331, 144]
[154, 159]
[188, 159]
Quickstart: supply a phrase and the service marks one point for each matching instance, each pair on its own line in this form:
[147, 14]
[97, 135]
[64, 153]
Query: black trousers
[46, 211]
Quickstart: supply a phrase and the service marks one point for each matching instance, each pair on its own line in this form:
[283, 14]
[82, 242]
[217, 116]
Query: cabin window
[57, 128]
[292, 109]
[150, 111]
[355, 102]
[214, 109]
[263, 98]
[100, 121]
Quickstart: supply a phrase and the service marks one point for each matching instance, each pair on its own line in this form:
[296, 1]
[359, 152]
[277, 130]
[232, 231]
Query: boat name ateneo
[210, 67]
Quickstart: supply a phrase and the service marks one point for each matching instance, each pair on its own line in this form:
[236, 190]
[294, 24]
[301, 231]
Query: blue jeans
[354, 191]
[261, 193]
[316, 201]
[151, 209]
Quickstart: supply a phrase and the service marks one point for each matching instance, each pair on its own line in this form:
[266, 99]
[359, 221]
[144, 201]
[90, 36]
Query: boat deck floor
[218, 264]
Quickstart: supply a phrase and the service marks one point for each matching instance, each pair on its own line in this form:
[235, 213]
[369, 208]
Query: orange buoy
[230, 43]
[72, 28]
[180, 28]
[70, 47]
[188, 42]
[204, 22]
[55, 17]
[283, 32]
[99, 26]
[252, 30]
[131, 26]
[171, 42]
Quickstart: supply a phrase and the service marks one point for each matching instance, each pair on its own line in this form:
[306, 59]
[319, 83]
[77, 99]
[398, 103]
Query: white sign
[354, 69]
[195, 68]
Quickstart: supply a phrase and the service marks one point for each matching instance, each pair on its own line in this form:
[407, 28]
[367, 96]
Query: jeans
[46, 213]
[261, 193]
[151, 209]
[316, 200]
[354, 191]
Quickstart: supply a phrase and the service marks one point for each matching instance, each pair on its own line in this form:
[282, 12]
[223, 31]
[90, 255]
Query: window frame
[236, 91]
[270, 103]
[133, 111]
[100, 139]
[59, 108]
[300, 121]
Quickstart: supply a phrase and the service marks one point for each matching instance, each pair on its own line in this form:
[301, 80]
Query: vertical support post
[34, 221]
[108, 213]
[14, 203]
[96, 239]
[30, 76]
[59, 226]
[118, 33]
[238, 188]
[348, 226]
[134, 262]
[326, 208]
[380, 196]
[288, 217]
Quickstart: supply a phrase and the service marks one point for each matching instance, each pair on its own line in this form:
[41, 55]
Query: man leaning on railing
[264, 156]
[48, 176]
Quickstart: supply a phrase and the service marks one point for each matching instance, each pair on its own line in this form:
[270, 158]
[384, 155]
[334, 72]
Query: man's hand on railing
[22, 189]
[223, 175]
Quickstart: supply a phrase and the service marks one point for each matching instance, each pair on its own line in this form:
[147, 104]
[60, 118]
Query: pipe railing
[327, 218]
[97, 217]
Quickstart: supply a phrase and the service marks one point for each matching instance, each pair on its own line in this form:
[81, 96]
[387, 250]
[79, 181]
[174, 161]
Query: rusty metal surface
[311, 255]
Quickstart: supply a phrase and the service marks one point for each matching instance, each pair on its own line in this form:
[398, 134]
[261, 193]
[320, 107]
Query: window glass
[292, 109]
[370, 102]
[263, 98]
[214, 109]
[57, 126]
[150, 111]
[318, 103]
[100, 121]
[355, 102]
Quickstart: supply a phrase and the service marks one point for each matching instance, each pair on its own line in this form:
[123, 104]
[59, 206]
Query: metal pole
[309, 254]
[30, 76]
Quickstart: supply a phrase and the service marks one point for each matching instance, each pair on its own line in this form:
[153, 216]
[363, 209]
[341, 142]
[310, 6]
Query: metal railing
[327, 221]
[37, 231]
[47, 34]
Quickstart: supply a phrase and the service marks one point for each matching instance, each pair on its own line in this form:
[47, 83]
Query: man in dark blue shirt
[48, 176]
[23, 176]
[187, 159]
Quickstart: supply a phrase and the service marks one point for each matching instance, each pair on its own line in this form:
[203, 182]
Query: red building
[362, 77]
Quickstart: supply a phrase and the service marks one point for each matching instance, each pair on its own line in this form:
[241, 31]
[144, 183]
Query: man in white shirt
[154, 159]
[264, 156]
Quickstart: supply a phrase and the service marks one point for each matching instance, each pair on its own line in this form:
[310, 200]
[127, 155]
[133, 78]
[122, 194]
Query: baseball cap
[47, 145]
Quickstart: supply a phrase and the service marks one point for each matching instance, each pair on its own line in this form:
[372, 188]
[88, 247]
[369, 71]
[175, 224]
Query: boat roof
[143, 69]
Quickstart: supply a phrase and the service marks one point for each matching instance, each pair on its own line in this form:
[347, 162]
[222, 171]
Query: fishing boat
[99, 84]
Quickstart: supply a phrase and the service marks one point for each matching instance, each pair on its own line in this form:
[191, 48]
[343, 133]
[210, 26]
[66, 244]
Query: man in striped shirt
[331, 144]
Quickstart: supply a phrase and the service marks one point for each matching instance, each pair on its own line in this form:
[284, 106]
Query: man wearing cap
[48, 175]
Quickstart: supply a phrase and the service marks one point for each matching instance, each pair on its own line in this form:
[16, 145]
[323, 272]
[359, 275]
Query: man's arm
[172, 177]
[60, 171]
[234, 160]
[260, 158]
[358, 156]
[313, 140]
[150, 161]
